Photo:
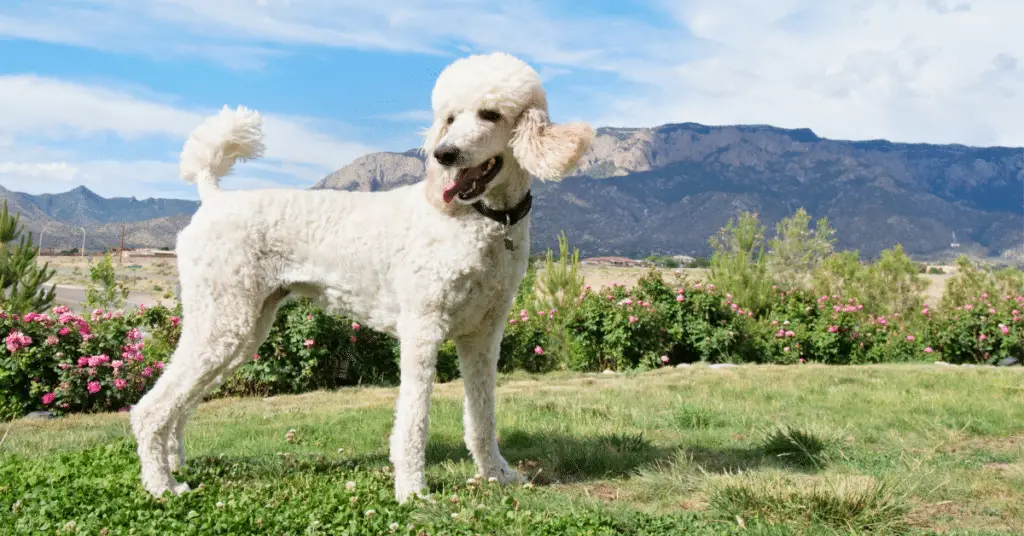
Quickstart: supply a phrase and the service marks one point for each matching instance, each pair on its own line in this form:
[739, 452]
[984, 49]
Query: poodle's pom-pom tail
[215, 145]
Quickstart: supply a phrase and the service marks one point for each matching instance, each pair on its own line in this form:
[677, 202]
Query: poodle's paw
[182, 488]
[505, 475]
[157, 490]
[406, 491]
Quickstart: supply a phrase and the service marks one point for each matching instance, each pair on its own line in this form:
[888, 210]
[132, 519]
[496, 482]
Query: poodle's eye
[451, 119]
[489, 115]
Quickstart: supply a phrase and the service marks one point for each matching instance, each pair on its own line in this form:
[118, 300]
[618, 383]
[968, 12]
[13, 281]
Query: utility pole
[83, 241]
[121, 259]
[42, 235]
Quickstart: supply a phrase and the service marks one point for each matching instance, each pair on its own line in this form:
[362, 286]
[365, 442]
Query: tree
[893, 284]
[22, 280]
[973, 280]
[739, 265]
[560, 284]
[797, 250]
[104, 291]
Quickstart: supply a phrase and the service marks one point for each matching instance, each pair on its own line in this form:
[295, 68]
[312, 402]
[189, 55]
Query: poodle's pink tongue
[462, 180]
[450, 191]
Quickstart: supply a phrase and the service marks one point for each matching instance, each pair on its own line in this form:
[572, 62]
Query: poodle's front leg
[478, 362]
[419, 345]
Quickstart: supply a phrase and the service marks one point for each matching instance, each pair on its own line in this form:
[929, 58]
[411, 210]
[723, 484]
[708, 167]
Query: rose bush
[65, 362]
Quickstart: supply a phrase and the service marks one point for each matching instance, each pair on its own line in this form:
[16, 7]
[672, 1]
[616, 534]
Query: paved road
[74, 297]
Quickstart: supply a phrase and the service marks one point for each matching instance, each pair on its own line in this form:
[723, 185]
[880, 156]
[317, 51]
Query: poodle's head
[491, 124]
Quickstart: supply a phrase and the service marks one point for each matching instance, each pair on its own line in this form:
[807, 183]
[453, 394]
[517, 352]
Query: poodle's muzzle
[470, 183]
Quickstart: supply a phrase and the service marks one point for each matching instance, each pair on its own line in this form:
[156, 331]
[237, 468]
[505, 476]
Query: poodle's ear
[545, 150]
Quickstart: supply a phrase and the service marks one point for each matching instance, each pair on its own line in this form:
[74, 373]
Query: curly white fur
[215, 146]
[403, 262]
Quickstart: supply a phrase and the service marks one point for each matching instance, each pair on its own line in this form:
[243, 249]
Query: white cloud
[44, 117]
[934, 71]
[29, 172]
[109, 178]
[909, 70]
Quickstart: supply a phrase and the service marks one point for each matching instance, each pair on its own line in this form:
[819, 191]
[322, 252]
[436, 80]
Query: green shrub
[702, 323]
[972, 280]
[64, 362]
[797, 250]
[739, 262]
[103, 290]
[526, 344]
[891, 284]
[982, 329]
[617, 329]
[309, 349]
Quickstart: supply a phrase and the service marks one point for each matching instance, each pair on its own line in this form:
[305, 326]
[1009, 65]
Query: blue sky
[104, 92]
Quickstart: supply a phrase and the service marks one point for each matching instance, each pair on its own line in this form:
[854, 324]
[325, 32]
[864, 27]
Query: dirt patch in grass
[602, 492]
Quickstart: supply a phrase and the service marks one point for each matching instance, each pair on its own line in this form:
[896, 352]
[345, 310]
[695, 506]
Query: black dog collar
[508, 217]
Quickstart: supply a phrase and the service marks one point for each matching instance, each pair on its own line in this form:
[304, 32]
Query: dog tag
[509, 245]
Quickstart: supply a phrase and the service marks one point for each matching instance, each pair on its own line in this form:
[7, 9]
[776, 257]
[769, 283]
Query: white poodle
[437, 260]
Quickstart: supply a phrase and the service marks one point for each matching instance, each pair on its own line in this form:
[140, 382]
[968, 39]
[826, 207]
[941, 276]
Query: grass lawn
[744, 450]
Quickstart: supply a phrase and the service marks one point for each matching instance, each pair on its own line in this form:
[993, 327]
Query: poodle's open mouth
[471, 183]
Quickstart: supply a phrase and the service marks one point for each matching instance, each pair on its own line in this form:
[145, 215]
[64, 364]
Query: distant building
[614, 261]
[149, 252]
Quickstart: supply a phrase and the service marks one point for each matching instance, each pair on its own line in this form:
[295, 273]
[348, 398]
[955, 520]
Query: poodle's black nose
[446, 154]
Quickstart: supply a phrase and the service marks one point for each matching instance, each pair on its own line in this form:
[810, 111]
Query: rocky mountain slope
[667, 189]
[57, 220]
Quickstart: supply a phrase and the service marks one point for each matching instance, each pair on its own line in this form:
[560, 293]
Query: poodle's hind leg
[176, 439]
[419, 343]
[478, 363]
[210, 343]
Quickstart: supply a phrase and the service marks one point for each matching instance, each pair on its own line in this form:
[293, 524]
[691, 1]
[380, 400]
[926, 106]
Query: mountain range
[665, 190]
[57, 220]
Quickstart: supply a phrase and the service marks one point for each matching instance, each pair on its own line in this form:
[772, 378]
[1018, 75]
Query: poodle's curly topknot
[497, 81]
